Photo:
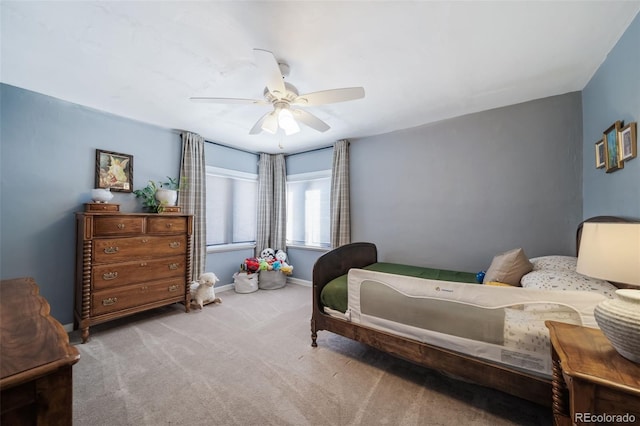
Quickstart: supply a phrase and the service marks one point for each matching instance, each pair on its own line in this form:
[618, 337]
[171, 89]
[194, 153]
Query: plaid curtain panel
[192, 199]
[272, 203]
[340, 209]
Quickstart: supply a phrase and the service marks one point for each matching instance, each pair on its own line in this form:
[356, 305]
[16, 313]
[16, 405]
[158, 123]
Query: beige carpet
[249, 361]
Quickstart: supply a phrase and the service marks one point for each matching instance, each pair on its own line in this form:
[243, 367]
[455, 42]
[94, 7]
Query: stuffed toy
[268, 254]
[285, 268]
[264, 265]
[281, 255]
[202, 292]
[251, 265]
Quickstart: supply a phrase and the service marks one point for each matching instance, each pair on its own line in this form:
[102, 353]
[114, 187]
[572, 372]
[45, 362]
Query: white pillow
[554, 263]
[566, 280]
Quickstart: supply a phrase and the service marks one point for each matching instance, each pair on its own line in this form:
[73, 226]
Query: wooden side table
[592, 383]
[35, 369]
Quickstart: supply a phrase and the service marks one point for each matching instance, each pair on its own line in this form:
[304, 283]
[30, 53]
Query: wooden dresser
[128, 263]
[35, 370]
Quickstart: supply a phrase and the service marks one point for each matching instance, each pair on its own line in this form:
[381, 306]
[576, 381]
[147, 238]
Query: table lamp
[611, 251]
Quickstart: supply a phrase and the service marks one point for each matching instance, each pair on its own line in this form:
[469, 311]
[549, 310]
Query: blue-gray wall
[455, 193]
[612, 94]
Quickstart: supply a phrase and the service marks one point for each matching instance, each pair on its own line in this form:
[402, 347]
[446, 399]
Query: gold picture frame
[628, 142]
[612, 148]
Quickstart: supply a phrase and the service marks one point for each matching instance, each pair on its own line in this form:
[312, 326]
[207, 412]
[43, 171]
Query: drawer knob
[111, 250]
[174, 244]
[173, 288]
[173, 266]
[110, 301]
[121, 226]
[143, 264]
[145, 241]
[110, 275]
[169, 225]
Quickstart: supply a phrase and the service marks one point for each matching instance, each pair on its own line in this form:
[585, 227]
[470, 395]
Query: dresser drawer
[144, 247]
[123, 273]
[166, 224]
[106, 301]
[104, 226]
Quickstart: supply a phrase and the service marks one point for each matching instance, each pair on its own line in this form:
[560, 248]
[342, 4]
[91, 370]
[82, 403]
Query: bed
[491, 335]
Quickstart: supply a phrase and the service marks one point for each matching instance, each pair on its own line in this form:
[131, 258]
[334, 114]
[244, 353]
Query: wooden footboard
[329, 266]
[357, 255]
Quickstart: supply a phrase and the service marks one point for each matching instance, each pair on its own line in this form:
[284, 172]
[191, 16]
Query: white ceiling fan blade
[229, 100]
[268, 63]
[268, 122]
[310, 120]
[330, 96]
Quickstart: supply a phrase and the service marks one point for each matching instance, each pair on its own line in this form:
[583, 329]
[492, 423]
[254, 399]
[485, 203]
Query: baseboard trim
[299, 281]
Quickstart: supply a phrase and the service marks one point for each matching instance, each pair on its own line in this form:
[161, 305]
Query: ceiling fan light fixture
[270, 123]
[287, 122]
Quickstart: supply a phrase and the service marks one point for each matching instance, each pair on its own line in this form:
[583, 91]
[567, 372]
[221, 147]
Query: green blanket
[334, 294]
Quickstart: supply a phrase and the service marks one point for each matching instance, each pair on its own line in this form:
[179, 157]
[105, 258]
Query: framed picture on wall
[628, 142]
[114, 170]
[600, 153]
[612, 157]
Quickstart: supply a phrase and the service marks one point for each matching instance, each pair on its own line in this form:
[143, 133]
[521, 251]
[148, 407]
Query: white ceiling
[419, 62]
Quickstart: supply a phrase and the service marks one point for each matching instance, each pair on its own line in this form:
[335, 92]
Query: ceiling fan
[283, 96]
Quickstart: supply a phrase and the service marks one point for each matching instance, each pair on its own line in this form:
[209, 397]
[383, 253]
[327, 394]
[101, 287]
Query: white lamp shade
[610, 251]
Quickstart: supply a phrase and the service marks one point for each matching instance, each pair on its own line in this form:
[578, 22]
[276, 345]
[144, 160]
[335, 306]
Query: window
[308, 209]
[231, 206]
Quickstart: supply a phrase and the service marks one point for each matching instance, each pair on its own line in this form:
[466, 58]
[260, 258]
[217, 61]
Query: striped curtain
[272, 203]
[192, 199]
[340, 209]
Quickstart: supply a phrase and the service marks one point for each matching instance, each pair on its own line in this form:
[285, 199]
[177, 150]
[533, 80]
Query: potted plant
[167, 193]
[148, 195]
[157, 196]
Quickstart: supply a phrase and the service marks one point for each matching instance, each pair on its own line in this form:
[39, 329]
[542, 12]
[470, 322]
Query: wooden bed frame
[485, 373]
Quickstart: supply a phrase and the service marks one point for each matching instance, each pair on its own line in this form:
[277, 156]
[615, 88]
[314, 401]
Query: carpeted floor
[249, 361]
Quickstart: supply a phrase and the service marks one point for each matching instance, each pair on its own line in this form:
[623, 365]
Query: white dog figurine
[202, 292]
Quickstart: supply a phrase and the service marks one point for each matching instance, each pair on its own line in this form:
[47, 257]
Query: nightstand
[592, 383]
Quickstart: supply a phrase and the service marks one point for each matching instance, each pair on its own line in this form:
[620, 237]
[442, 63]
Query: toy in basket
[267, 272]
[202, 292]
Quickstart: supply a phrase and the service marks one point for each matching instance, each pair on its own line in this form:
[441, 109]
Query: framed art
[114, 171]
[628, 142]
[611, 143]
[600, 154]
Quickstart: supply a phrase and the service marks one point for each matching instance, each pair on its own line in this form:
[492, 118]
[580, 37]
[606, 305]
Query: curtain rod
[257, 153]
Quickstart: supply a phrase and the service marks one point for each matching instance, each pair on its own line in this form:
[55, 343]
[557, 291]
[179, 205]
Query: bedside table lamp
[611, 251]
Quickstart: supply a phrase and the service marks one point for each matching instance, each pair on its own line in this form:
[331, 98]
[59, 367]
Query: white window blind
[231, 206]
[308, 204]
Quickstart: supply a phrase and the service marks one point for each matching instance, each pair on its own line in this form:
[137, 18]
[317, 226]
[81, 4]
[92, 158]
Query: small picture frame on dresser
[114, 170]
